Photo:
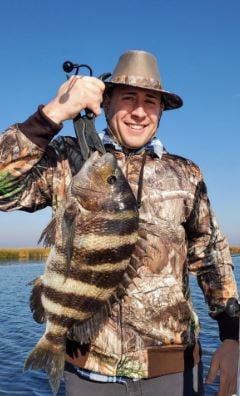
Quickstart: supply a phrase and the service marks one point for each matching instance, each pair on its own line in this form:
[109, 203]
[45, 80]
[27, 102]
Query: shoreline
[25, 254]
[235, 250]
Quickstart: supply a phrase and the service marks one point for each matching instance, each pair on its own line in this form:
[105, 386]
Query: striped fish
[92, 236]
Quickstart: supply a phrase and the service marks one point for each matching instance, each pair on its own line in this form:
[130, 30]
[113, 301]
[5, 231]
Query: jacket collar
[154, 146]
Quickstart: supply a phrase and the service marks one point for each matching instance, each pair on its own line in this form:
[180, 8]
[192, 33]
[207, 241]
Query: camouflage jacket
[178, 234]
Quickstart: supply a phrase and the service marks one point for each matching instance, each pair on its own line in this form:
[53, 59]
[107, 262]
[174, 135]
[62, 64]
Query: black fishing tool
[84, 124]
[233, 308]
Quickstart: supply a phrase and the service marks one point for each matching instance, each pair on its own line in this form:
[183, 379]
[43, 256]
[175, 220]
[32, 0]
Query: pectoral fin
[35, 301]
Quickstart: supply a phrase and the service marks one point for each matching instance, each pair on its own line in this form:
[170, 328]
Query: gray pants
[188, 383]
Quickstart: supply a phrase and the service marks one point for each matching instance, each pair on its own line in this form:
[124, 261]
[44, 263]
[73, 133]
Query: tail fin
[50, 361]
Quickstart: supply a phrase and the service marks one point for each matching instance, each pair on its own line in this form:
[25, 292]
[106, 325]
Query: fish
[92, 238]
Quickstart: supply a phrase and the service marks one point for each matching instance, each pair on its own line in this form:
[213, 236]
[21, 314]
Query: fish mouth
[81, 188]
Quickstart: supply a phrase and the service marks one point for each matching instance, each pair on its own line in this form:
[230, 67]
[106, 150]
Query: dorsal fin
[48, 235]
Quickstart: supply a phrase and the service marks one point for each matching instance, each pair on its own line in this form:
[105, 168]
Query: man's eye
[128, 98]
[150, 101]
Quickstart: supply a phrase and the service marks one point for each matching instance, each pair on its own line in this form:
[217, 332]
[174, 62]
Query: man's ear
[105, 106]
[162, 104]
[161, 112]
[105, 102]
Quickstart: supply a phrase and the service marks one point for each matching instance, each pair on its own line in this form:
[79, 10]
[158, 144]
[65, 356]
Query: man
[149, 345]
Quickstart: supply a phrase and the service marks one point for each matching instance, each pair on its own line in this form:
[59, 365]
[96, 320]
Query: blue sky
[197, 44]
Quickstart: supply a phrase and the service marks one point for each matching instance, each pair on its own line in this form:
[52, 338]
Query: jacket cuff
[39, 128]
[228, 327]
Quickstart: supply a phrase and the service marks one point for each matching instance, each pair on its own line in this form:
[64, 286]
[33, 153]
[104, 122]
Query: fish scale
[92, 236]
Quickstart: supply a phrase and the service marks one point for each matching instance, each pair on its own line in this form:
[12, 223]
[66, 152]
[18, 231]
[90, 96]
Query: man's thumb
[212, 373]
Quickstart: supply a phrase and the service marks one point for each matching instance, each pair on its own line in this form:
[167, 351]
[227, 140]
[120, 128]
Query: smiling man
[133, 115]
[149, 343]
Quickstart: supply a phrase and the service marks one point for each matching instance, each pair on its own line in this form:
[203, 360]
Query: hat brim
[171, 100]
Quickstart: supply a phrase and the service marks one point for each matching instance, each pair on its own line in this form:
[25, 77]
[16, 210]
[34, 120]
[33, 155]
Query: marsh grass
[23, 254]
[29, 254]
[235, 249]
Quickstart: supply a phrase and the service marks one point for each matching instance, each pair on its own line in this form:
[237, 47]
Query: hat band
[137, 81]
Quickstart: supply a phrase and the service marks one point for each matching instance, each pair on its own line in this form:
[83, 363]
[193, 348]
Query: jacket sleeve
[26, 164]
[209, 258]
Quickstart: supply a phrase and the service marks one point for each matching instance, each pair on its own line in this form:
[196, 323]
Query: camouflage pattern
[178, 234]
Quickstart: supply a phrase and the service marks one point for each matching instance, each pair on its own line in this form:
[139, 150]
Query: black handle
[84, 125]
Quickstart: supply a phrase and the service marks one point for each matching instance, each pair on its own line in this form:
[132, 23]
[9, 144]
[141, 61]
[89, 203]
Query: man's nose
[139, 110]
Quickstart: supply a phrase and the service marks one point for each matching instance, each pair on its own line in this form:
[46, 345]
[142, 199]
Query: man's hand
[225, 360]
[76, 94]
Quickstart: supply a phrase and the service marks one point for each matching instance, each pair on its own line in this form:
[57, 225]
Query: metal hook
[68, 67]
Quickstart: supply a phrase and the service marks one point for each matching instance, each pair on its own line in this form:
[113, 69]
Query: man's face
[133, 115]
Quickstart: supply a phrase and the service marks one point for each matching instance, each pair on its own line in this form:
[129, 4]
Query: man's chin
[133, 146]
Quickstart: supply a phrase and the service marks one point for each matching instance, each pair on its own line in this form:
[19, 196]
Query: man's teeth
[136, 126]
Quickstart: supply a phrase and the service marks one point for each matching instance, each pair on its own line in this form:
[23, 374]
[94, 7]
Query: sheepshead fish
[92, 236]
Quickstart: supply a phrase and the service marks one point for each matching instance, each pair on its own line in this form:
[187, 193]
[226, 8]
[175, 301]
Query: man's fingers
[212, 373]
[74, 95]
[228, 385]
[96, 109]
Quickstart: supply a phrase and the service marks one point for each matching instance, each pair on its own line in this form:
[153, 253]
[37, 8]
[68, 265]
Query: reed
[26, 254]
[235, 249]
[23, 254]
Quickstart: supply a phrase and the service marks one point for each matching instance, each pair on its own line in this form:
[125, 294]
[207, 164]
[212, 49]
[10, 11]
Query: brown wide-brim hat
[140, 69]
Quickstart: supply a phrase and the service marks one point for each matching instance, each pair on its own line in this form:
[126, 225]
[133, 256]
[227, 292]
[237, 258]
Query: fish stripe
[121, 265]
[55, 338]
[107, 226]
[59, 310]
[58, 264]
[119, 215]
[103, 256]
[90, 242]
[104, 279]
[59, 320]
[84, 303]
[125, 204]
[59, 283]
[56, 328]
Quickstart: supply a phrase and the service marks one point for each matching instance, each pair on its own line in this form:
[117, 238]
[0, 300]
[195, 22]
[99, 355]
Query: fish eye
[111, 179]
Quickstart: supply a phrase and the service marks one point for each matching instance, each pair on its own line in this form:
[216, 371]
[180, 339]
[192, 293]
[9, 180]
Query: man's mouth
[136, 127]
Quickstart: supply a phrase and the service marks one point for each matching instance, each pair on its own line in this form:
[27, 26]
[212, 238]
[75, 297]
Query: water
[19, 333]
